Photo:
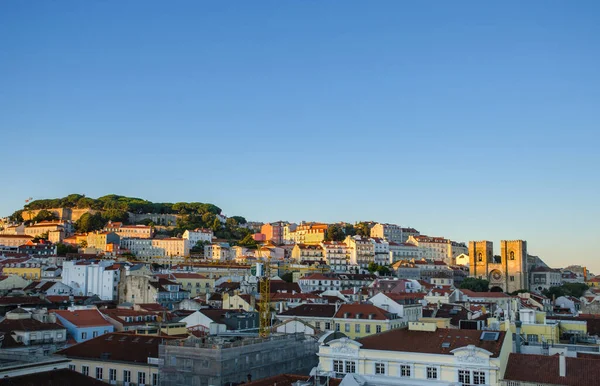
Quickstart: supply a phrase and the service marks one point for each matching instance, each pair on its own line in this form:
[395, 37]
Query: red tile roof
[287, 380]
[430, 342]
[62, 377]
[473, 294]
[363, 310]
[119, 347]
[154, 307]
[311, 310]
[83, 318]
[579, 371]
[9, 325]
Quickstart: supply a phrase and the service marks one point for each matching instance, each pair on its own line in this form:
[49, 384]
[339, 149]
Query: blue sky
[470, 120]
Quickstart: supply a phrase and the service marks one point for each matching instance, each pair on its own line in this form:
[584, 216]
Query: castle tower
[514, 260]
[481, 253]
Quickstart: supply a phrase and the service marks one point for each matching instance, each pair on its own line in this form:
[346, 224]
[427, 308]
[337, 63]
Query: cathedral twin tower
[509, 271]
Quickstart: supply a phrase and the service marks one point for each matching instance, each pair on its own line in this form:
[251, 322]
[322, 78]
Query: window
[155, 379]
[84, 335]
[346, 327]
[368, 328]
[512, 278]
[126, 376]
[337, 326]
[318, 325]
[98, 372]
[94, 334]
[141, 378]
[404, 370]
[72, 367]
[338, 366]
[478, 378]
[379, 368]
[106, 331]
[59, 335]
[512, 255]
[378, 329]
[327, 326]
[464, 377]
[350, 367]
[479, 257]
[112, 374]
[357, 328]
[532, 338]
[432, 373]
[85, 370]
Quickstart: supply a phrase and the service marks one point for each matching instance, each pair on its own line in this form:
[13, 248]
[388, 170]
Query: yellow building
[239, 302]
[195, 283]
[27, 270]
[101, 240]
[358, 320]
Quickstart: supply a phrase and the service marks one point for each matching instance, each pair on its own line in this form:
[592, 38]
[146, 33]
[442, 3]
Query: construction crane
[264, 303]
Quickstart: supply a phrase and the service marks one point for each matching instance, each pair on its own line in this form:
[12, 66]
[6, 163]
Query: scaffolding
[218, 361]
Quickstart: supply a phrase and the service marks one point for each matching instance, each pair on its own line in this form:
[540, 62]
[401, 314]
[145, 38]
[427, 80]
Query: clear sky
[469, 120]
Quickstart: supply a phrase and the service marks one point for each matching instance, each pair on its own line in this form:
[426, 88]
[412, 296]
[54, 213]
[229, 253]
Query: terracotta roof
[284, 286]
[287, 380]
[318, 276]
[83, 318]
[62, 377]
[430, 342]
[16, 300]
[579, 371]
[311, 310]
[120, 315]
[154, 307]
[362, 310]
[473, 294]
[9, 325]
[119, 347]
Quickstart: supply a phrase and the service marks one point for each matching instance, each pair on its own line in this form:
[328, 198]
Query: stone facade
[509, 271]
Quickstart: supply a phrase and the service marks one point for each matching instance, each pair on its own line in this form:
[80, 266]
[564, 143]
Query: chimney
[562, 365]
[518, 337]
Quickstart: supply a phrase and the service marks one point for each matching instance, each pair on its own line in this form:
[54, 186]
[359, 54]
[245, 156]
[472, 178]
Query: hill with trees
[112, 207]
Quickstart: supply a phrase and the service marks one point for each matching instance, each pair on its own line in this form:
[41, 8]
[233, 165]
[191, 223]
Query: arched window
[512, 255]
[480, 257]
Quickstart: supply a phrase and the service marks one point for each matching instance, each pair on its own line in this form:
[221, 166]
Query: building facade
[508, 272]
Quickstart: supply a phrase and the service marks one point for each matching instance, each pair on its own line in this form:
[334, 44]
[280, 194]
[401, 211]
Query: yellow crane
[264, 303]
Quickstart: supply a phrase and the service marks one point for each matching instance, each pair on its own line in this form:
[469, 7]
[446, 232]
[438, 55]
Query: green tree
[372, 267]
[208, 219]
[383, 270]
[90, 222]
[475, 284]
[240, 220]
[335, 233]
[362, 229]
[349, 230]
[16, 216]
[63, 249]
[45, 215]
[248, 242]
[216, 225]
[568, 289]
[231, 223]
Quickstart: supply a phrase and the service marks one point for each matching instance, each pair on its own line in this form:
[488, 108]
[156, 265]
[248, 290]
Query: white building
[439, 248]
[197, 235]
[406, 312]
[542, 278]
[86, 279]
[337, 255]
[148, 248]
[218, 252]
[381, 248]
[403, 251]
[362, 250]
[390, 232]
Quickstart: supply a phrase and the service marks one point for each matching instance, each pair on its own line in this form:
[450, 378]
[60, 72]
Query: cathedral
[508, 272]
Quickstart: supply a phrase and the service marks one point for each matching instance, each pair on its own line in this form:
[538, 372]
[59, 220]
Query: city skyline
[467, 121]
